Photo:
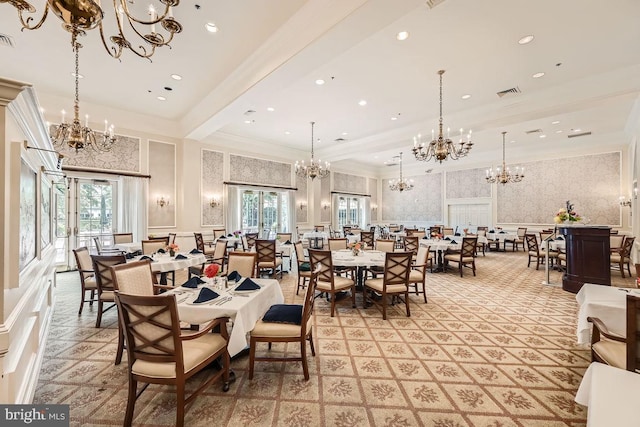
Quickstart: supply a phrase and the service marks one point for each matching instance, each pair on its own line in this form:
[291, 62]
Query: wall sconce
[374, 209]
[326, 206]
[624, 201]
[214, 202]
[302, 205]
[635, 192]
[162, 201]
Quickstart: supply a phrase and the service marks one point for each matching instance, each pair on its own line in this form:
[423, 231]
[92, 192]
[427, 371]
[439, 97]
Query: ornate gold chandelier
[401, 184]
[313, 169]
[504, 175]
[81, 15]
[442, 148]
[74, 135]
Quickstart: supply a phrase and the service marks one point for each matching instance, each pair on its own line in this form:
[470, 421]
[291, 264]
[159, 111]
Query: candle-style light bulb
[63, 114]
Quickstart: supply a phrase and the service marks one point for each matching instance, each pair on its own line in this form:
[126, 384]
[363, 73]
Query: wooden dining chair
[418, 273]
[623, 256]
[304, 267]
[467, 255]
[104, 281]
[536, 253]
[242, 262]
[328, 282]
[267, 257]
[159, 353]
[208, 251]
[172, 238]
[395, 283]
[251, 240]
[367, 237]
[151, 246]
[122, 238]
[289, 323]
[218, 232]
[87, 276]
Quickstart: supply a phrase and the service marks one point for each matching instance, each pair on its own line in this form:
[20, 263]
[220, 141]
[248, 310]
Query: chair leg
[303, 356]
[353, 297]
[84, 293]
[384, 306]
[622, 269]
[252, 356]
[120, 348]
[473, 266]
[180, 404]
[333, 303]
[99, 316]
[313, 350]
[424, 291]
[131, 402]
[406, 301]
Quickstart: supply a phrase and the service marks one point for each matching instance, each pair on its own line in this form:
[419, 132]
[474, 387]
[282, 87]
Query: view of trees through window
[265, 212]
[95, 208]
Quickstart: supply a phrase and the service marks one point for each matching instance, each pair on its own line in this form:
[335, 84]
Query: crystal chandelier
[314, 168]
[441, 148]
[401, 184]
[504, 175]
[80, 15]
[74, 135]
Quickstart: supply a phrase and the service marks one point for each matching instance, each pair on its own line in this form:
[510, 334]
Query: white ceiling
[269, 54]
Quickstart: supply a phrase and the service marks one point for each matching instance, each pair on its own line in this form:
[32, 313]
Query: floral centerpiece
[356, 247]
[172, 249]
[212, 270]
[237, 233]
[567, 214]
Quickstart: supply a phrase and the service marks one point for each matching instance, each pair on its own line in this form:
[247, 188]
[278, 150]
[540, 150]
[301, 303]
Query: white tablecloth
[607, 303]
[345, 258]
[164, 263]
[501, 237]
[129, 247]
[611, 395]
[442, 245]
[245, 310]
[316, 234]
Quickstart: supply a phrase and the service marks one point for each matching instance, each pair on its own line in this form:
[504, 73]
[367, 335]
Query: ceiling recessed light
[402, 35]
[345, 133]
[271, 109]
[286, 132]
[466, 96]
[526, 39]
[211, 27]
[176, 76]
[543, 136]
[538, 75]
[394, 118]
[247, 121]
[555, 122]
[319, 82]
[576, 130]
[80, 76]
[362, 103]
[162, 98]
[559, 131]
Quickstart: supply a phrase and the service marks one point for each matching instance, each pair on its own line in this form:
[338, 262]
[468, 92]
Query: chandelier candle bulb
[63, 114]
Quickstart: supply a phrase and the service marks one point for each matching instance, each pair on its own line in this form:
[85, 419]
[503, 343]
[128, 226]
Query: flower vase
[172, 252]
[355, 252]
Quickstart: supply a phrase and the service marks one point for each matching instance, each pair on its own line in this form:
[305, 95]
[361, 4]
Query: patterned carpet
[497, 349]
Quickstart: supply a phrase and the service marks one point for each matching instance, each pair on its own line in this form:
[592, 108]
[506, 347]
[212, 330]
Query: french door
[264, 212]
[350, 211]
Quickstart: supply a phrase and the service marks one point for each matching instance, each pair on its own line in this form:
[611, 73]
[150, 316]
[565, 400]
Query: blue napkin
[351, 234]
[425, 238]
[193, 282]
[288, 242]
[457, 234]
[180, 256]
[205, 295]
[160, 251]
[248, 285]
[492, 231]
[229, 235]
[222, 238]
[195, 251]
[453, 242]
[129, 256]
[447, 238]
[235, 276]
[142, 258]
[502, 232]
[559, 238]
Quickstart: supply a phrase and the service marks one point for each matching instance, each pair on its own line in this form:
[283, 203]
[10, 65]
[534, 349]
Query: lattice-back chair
[251, 240]
[172, 238]
[151, 246]
[304, 268]
[397, 267]
[104, 281]
[327, 281]
[159, 354]
[434, 229]
[207, 250]
[367, 237]
[418, 273]
[411, 244]
[534, 251]
[447, 231]
[104, 250]
[614, 350]
[87, 276]
[281, 324]
[267, 257]
[284, 237]
[218, 232]
[466, 256]
[615, 242]
[122, 238]
[519, 239]
[623, 257]
[346, 229]
[243, 262]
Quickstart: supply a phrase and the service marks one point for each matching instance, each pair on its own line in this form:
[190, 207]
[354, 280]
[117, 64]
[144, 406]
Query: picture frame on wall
[45, 212]
[28, 215]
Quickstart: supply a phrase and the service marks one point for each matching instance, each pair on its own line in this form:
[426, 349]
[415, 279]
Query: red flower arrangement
[212, 270]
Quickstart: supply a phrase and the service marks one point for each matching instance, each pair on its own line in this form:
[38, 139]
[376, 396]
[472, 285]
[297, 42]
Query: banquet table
[501, 236]
[346, 258]
[607, 303]
[440, 246]
[164, 263]
[129, 248]
[243, 308]
[611, 395]
[317, 237]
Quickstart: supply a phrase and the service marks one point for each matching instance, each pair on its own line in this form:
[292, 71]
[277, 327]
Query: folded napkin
[234, 275]
[559, 238]
[288, 242]
[130, 256]
[142, 258]
[425, 238]
[284, 313]
[453, 242]
[351, 234]
[229, 235]
[447, 238]
[304, 266]
[492, 231]
[503, 232]
[205, 295]
[457, 234]
[193, 282]
[222, 238]
[195, 251]
[160, 251]
[248, 285]
[180, 256]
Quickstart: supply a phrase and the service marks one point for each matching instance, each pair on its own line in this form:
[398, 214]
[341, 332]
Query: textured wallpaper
[212, 187]
[302, 196]
[325, 196]
[125, 156]
[468, 183]
[250, 170]
[591, 183]
[423, 203]
[162, 168]
[349, 183]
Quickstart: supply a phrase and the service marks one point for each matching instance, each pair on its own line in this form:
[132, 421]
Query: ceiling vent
[433, 3]
[533, 131]
[510, 91]
[249, 112]
[339, 140]
[576, 135]
[6, 40]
